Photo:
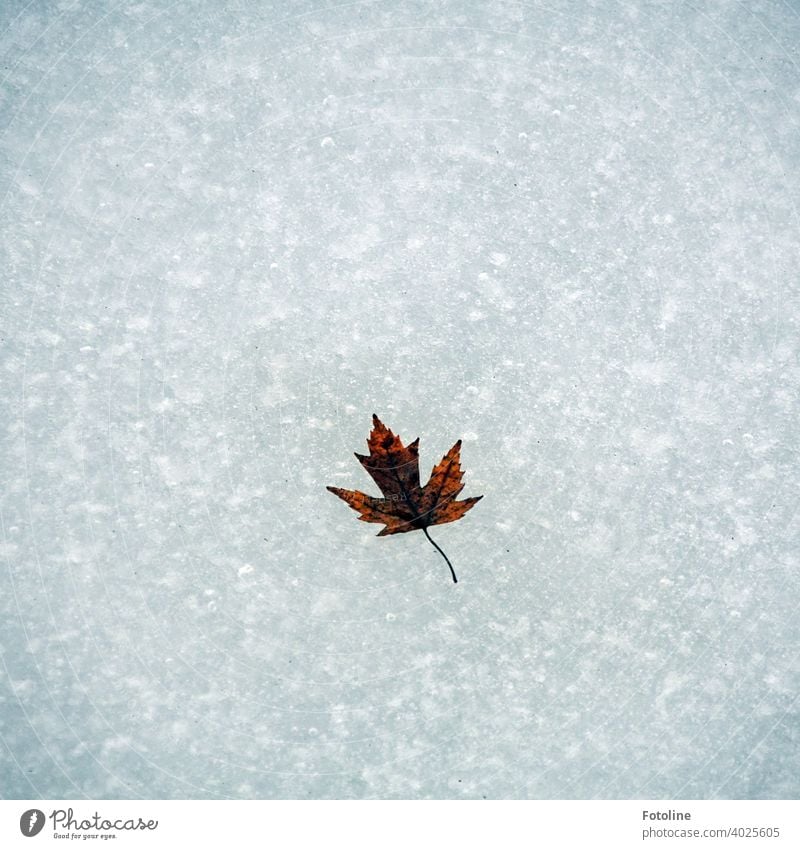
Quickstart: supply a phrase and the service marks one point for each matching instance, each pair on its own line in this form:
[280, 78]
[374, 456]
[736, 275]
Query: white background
[565, 232]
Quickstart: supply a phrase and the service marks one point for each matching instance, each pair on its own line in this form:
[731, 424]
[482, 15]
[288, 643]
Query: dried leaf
[407, 506]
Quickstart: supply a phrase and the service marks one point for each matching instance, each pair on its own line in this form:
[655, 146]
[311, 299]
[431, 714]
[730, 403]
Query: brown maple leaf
[407, 506]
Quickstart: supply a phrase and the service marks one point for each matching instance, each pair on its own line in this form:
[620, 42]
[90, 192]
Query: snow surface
[566, 232]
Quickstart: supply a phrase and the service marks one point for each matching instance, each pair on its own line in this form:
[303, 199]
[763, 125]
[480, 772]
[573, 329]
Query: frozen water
[566, 232]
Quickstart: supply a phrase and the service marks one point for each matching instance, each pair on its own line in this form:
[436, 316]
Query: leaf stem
[452, 571]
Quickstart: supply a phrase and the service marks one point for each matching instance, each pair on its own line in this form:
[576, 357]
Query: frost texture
[566, 232]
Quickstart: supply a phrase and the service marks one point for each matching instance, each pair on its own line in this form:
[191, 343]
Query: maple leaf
[407, 506]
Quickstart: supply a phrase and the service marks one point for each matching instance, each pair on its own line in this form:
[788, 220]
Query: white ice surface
[565, 231]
